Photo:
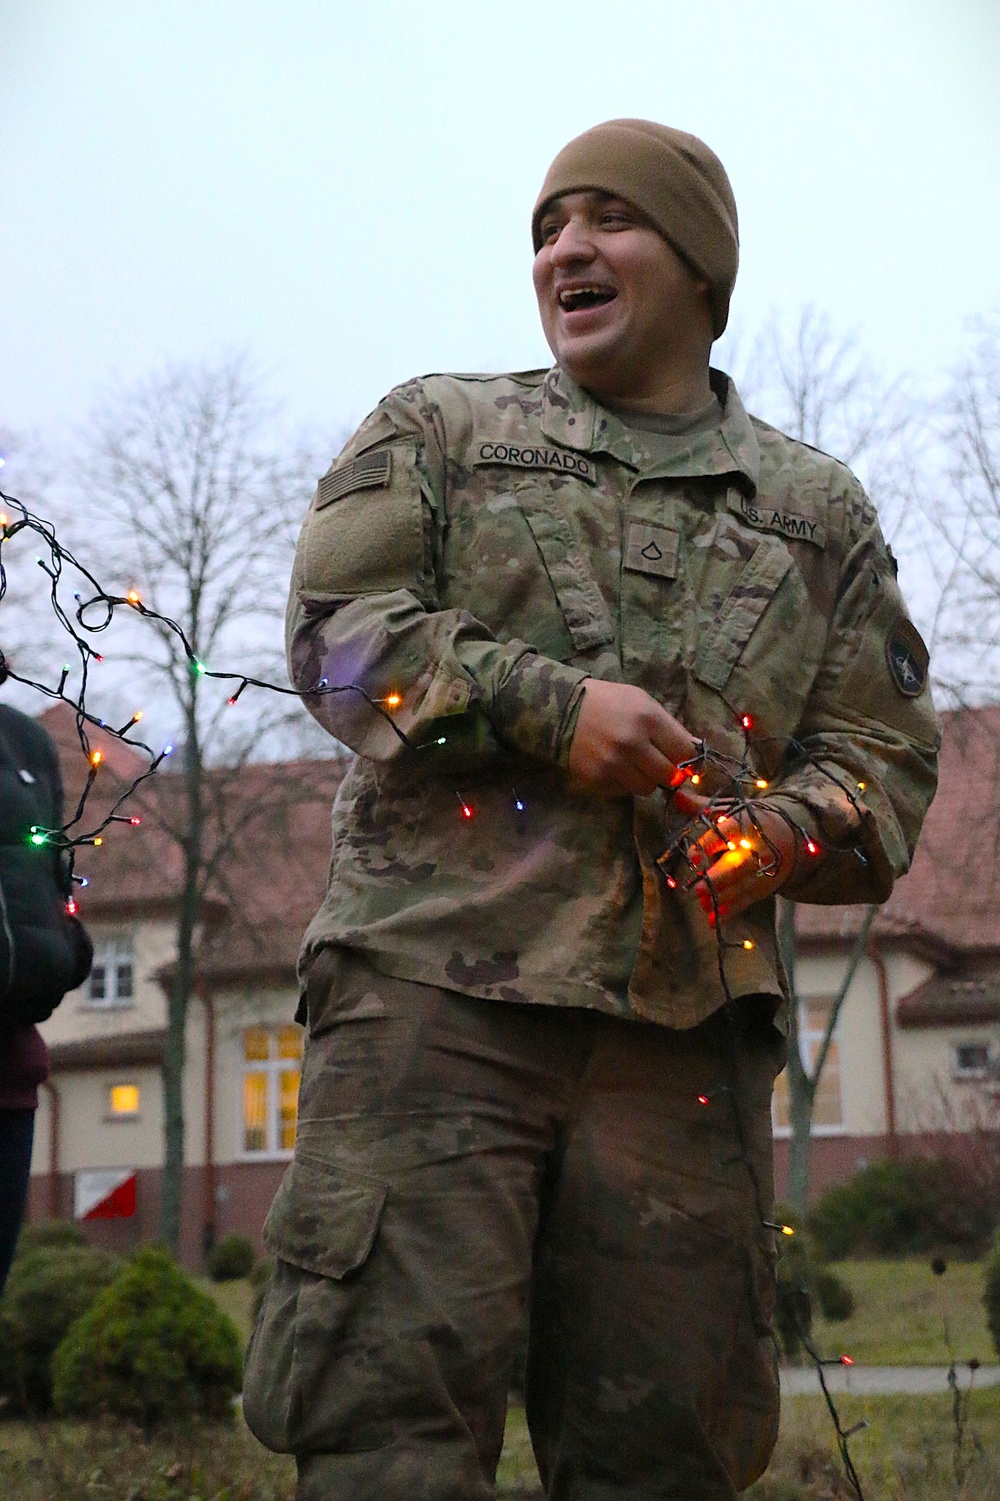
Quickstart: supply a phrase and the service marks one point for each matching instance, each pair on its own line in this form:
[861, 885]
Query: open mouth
[576, 299]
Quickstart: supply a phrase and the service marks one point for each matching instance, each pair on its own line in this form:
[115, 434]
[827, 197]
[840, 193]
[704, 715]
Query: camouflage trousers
[462, 1163]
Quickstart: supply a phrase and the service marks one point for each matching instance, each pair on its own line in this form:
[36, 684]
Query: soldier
[555, 596]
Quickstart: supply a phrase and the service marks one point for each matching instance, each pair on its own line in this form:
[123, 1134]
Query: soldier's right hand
[625, 742]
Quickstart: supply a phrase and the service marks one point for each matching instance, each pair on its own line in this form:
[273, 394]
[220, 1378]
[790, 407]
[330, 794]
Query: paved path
[879, 1380]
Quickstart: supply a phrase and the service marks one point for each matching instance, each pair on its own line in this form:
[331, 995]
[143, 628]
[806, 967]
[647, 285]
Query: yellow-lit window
[272, 1069]
[828, 1111]
[124, 1099]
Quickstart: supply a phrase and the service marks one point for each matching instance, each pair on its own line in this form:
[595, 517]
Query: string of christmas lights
[684, 863]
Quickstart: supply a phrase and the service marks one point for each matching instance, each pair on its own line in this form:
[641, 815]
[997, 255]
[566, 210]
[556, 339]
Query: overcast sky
[344, 190]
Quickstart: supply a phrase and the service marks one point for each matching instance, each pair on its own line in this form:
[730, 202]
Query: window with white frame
[973, 1058]
[112, 975]
[828, 1107]
[272, 1067]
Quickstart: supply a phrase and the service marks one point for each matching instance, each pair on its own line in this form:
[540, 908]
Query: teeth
[568, 296]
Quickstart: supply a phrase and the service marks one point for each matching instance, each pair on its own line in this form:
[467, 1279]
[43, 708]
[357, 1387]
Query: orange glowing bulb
[787, 1230]
[695, 779]
[133, 597]
[393, 700]
[98, 840]
[745, 844]
[96, 758]
[761, 783]
[748, 944]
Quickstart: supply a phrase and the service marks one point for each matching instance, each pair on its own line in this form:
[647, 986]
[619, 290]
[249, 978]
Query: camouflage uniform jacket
[481, 546]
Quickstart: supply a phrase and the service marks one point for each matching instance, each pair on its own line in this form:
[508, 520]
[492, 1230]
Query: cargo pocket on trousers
[320, 1229]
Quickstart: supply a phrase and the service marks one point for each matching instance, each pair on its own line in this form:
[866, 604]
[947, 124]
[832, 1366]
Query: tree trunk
[182, 987]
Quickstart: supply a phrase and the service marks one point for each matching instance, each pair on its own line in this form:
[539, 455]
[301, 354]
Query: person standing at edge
[557, 584]
[44, 950]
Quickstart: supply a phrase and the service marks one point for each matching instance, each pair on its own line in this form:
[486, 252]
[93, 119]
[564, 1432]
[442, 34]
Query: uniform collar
[573, 419]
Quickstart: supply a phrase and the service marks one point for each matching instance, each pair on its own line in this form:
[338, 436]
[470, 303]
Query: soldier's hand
[625, 742]
[744, 859]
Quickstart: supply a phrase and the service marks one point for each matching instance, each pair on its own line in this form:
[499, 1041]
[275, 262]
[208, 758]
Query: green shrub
[231, 1258]
[991, 1295]
[47, 1290]
[902, 1208]
[151, 1348]
[833, 1295]
[48, 1234]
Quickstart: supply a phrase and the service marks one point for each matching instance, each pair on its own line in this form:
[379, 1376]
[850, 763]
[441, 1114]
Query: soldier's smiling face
[618, 305]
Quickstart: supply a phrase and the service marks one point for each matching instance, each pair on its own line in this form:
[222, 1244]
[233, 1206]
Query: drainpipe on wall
[54, 1123]
[208, 1184]
[885, 1013]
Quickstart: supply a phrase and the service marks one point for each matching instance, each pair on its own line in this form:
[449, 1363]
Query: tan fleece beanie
[677, 182]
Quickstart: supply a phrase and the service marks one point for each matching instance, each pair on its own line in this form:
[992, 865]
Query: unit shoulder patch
[907, 657]
[537, 456]
[765, 517]
[368, 471]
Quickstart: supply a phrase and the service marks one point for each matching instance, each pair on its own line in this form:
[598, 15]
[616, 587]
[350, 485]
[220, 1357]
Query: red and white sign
[104, 1193]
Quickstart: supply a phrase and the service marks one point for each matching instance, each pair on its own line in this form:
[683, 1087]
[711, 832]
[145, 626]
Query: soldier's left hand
[745, 859]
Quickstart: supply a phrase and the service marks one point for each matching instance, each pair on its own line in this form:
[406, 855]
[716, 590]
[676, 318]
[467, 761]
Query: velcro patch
[767, 518]
[538, 456]
[652, 549]
[369, 471]
[907, 657]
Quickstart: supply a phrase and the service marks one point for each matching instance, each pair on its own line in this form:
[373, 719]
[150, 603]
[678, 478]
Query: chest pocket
[720, 649]
[584, 608]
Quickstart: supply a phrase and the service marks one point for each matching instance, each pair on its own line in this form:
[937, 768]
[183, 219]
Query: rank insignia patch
[907, 657]
[651, 549]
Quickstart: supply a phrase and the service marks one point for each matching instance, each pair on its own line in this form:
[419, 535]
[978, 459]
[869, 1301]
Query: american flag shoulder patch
[367, 472]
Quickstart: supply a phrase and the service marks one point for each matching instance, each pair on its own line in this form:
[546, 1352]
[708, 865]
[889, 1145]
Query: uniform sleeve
[869, 736]
[364, 612]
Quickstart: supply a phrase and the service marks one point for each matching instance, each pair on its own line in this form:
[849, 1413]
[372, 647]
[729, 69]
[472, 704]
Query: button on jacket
[481, 547]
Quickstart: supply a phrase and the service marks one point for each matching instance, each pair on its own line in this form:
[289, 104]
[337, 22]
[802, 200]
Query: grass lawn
[907, 1453]
[907, 1316]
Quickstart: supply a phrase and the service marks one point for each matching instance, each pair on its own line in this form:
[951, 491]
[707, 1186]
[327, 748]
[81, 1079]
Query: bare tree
[192, 502]
[803, 1079]
[963, 513]
[29, 631]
